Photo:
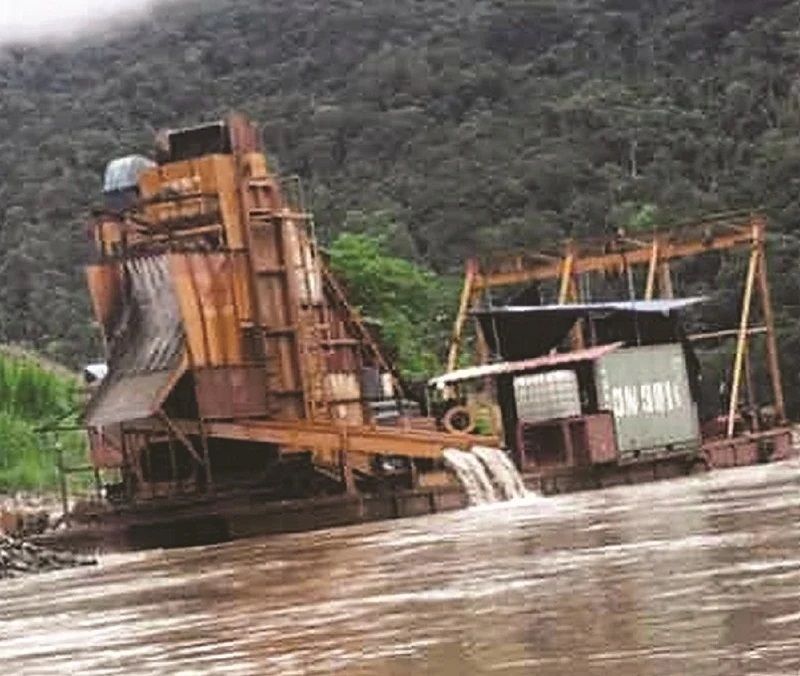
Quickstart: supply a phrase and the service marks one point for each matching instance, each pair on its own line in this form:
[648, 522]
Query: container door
[647, 390]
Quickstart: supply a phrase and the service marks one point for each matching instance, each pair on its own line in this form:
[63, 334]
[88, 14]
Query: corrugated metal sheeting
[146, 348]
[647, 389]
[547, 396]
[508, 367]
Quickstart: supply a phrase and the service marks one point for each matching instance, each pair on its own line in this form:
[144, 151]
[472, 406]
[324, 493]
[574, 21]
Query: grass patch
[34, 395]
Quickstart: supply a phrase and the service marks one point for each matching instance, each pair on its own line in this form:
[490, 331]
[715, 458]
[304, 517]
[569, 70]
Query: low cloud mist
[30, 21]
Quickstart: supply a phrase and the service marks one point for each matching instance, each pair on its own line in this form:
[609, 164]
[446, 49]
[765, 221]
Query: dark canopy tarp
[525, 332]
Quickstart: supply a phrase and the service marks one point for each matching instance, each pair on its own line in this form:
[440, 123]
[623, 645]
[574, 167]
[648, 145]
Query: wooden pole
[481, 346]
[566, 278]
[206, 455]
[741, 342]
[466, 301]
[651, 272]
[727, 333]
[772, 340]
[127, 468]
[178, 432]
[751, 395]
[665, 283]
[568, 293]
[576, 335]
[62, 480]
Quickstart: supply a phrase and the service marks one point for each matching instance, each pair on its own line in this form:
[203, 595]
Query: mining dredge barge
[594, 392]
[243, 395]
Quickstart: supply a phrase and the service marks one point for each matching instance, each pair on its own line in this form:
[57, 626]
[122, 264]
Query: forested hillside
[446, 127]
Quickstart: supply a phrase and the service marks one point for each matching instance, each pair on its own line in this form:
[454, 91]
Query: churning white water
[486, 474]
[501, 469]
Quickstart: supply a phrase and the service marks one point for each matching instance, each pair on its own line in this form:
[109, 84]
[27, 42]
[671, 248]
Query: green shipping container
[647, 390]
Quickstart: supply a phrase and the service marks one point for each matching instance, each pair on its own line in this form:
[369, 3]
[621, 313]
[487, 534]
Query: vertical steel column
[576, 335]
[651, 271]
[192, 359]
[568, 293]
[62, 481]
[173, 464]
[566, 276]
[769, 322]
[741, 342]
[466, 301]
[749, 385]
[665, 282]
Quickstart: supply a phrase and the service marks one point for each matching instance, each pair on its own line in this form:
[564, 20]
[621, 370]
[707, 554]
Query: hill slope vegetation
[445, 128]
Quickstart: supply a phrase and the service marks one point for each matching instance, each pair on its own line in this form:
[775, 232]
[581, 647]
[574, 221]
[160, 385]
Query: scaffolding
[621, 255]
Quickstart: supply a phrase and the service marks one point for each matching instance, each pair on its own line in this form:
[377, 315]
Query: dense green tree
[413, 305]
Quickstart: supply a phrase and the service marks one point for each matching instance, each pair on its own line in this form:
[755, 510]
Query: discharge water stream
[487, 474]
[698, 576]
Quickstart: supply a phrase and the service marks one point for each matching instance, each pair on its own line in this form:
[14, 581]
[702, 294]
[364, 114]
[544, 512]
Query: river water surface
[695, 576]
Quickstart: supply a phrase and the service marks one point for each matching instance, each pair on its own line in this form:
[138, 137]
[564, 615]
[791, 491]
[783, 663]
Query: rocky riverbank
[18, 557]
[23, 516]
[28, 514]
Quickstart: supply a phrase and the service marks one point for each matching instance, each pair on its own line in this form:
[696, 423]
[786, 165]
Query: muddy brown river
[696, 576]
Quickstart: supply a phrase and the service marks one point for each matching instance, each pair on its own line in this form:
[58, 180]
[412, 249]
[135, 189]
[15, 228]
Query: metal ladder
[353, 320]
[303, 326]
[315, 333]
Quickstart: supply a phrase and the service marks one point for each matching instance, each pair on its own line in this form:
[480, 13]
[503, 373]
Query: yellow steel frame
[621, 254]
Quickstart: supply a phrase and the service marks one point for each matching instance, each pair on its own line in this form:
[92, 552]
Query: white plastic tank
[546, 396]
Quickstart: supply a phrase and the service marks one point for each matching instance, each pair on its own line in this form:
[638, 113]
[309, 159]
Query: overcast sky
[31, 20]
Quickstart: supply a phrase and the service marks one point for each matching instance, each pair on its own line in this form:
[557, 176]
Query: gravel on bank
[19, 557]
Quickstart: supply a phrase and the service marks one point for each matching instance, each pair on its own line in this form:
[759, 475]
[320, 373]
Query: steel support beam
[651, 271]
[465, 303]
[772, 339]
[741, 341]
[326, 440]
[737, 236]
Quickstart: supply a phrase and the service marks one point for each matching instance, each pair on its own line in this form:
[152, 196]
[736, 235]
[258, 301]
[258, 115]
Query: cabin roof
[658, 306]
[509, 367]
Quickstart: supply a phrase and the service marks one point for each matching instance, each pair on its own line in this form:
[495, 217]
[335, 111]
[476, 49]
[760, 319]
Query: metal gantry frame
[620, 255]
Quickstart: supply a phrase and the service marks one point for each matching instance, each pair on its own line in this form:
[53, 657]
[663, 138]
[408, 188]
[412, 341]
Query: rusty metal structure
[617, 411]
[620, 255]
[233, 355]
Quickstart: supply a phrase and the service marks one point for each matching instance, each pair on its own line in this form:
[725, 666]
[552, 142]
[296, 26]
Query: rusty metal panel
[104, 449]
[130, 397]
[647, 390]
[190, 309]
[231, 392]
[345, 397]
[241, 286]
[343, 386]
[306, 269]
[600, 438]
[150, 183]
[204, 283]
[227, 188]
[188, 186]
[104, 288]
[146, 346]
